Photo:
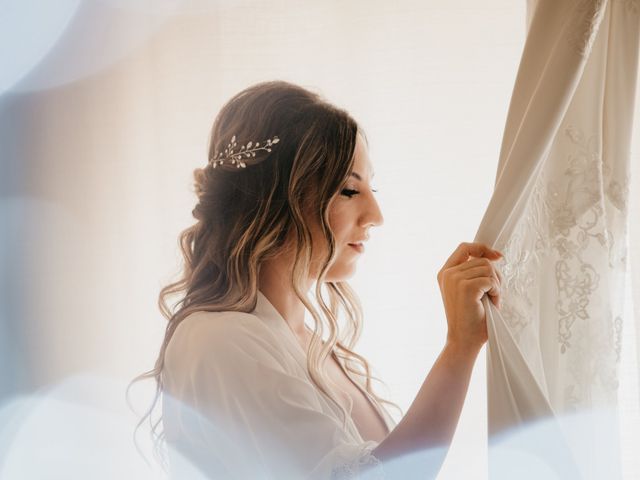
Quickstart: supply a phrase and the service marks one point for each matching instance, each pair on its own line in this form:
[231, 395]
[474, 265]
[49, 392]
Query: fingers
[481, 262]
[480, 271]
[484, 256]
[482, 285]
[465, 250]
[479, 274]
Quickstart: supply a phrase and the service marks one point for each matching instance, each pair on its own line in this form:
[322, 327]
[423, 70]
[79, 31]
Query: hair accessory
[246, 150]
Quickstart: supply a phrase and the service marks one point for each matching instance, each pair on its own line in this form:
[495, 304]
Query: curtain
[559, 213]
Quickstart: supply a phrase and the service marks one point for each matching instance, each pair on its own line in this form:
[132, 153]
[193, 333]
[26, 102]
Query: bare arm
[433, 416]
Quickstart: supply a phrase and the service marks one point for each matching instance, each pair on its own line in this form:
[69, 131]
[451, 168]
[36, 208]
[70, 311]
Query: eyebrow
[358, 176]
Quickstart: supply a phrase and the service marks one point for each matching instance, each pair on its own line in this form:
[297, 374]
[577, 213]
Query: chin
[340, 273]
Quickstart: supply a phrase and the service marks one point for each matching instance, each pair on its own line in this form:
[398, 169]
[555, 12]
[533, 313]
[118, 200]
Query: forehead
[361, 162]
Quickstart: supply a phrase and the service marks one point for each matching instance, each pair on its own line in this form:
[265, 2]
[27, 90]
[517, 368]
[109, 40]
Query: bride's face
[352, 213]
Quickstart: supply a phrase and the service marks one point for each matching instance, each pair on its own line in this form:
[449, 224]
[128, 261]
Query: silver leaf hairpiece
[246, 150]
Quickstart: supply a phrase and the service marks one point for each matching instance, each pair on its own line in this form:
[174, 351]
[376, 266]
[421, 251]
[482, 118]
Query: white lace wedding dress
[559, 213]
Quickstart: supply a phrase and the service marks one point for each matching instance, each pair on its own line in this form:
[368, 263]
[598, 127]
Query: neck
[274, 283]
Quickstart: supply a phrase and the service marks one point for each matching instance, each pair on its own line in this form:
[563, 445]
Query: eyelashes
[350, 193]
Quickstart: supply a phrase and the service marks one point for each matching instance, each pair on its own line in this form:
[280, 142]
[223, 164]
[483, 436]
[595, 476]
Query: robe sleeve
[235, 406]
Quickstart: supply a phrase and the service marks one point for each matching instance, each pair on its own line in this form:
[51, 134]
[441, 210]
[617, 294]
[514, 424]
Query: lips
[357, 246]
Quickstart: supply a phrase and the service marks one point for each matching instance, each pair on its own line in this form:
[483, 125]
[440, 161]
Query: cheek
[338, 223]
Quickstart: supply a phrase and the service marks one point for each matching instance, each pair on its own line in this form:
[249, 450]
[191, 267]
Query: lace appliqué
[366, 467]
[554, 263]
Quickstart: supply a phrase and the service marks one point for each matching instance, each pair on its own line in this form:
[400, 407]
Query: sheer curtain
[559, 212]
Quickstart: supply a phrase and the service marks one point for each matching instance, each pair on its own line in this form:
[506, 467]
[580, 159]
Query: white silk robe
[238, 403]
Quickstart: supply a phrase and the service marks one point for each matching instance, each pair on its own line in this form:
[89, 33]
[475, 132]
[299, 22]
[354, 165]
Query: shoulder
[214, 328]
[214, 324]
[208, 336]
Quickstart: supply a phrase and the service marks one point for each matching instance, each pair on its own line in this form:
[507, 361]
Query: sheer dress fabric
[559, 213]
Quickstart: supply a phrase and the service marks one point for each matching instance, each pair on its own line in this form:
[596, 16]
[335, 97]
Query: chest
[365, 416]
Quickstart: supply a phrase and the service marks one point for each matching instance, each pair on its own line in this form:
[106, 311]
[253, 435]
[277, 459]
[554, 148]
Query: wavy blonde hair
[245, 216]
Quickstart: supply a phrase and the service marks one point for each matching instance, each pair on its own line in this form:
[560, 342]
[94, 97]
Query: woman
[285, 205]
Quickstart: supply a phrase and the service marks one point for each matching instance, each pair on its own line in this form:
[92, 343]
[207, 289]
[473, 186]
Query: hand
[463, 282]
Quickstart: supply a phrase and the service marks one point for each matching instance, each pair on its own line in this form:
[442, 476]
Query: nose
[372, 215]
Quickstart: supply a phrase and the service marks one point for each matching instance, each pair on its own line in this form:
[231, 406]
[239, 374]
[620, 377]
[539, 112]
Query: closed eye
[349, 193]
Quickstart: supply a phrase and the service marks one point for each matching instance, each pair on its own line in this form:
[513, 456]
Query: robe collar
[267, 312]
